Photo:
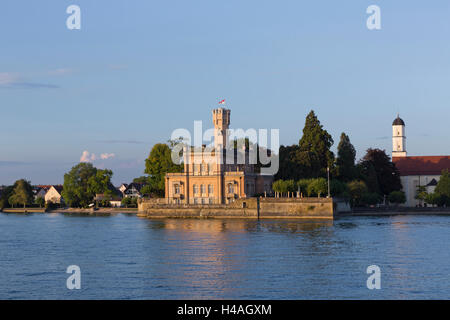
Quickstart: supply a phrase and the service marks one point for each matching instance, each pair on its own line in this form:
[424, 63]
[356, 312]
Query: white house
[54, 194]
[415, 171]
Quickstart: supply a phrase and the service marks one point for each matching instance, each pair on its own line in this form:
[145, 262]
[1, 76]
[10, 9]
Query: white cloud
[105, 156]
[87, 157]
[14, 80]
[7, 78]
[60, 71]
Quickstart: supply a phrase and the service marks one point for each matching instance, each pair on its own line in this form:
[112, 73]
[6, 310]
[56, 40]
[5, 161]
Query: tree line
[304, 168]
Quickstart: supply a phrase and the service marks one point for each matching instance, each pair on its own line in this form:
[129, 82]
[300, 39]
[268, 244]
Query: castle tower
[221, 120]
[398, 138]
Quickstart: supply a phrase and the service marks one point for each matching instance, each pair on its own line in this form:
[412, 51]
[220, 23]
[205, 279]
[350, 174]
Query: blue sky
[139, 69]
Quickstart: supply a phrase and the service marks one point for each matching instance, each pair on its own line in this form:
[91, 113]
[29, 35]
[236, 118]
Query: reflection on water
[124, 257]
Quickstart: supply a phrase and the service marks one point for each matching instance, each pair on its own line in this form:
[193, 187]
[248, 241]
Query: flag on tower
[222, 102]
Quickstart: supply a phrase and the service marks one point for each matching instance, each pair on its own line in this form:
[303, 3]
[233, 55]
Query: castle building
[415, 171]
[209, 177]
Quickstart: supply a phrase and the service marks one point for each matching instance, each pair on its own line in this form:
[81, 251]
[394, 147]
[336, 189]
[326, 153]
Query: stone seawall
[269, 208]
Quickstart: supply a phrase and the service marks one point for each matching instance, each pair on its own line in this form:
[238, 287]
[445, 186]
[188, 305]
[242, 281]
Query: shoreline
[71, 210]
[362, 213]
[392, 213]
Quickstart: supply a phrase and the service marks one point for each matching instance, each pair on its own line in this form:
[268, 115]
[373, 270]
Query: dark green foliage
[141, 179]
[129, 202]
[437, 199]
[367, 173]
[397, 197]
[158, 163]
[83, 182]
[315, 144]
[289, 167]
[40, 202]
[22, 193]
[371, 198]
[345, 162]
[357, 189]
[443, 186]
[387, 175]
[339, 189]
[6, 193]
[311, 157]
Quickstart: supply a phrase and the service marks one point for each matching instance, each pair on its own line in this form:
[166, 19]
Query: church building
[415, 171]
[209, 177]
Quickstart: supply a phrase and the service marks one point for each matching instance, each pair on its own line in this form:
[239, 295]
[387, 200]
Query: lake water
[125, 257]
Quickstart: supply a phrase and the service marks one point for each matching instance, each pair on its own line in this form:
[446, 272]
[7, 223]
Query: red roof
[416, 166]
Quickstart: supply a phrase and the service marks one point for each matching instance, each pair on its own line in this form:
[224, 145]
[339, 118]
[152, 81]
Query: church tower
[221, 120]
[398, 138]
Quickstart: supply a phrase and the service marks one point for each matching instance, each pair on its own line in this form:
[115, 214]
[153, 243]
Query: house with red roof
[415, 171]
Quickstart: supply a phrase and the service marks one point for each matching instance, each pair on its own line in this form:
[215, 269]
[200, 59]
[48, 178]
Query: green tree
[280, 187]
[289, 166]
[367, 173]
[356, 190]
[345, 162]
[388, 176]
[291, 186]
[101, 183]
[338, 188]
[83, 182]
[371, 198]
[421, 194]
[397, 197]
[158, 163]
[436, 199]
[40, 202]
[126, 202]
[4, 197]
[302, 185]
[317, 187]
[22, 193]
[141, 179]
[314, 154]
[443, 186]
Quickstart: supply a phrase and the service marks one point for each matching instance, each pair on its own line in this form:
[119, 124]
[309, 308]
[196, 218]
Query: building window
[195, 189]
[210, 189]
[230, 188]
[195, 200]
[211, 200]
[176, 188]
[202, 188]
[203, 201]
